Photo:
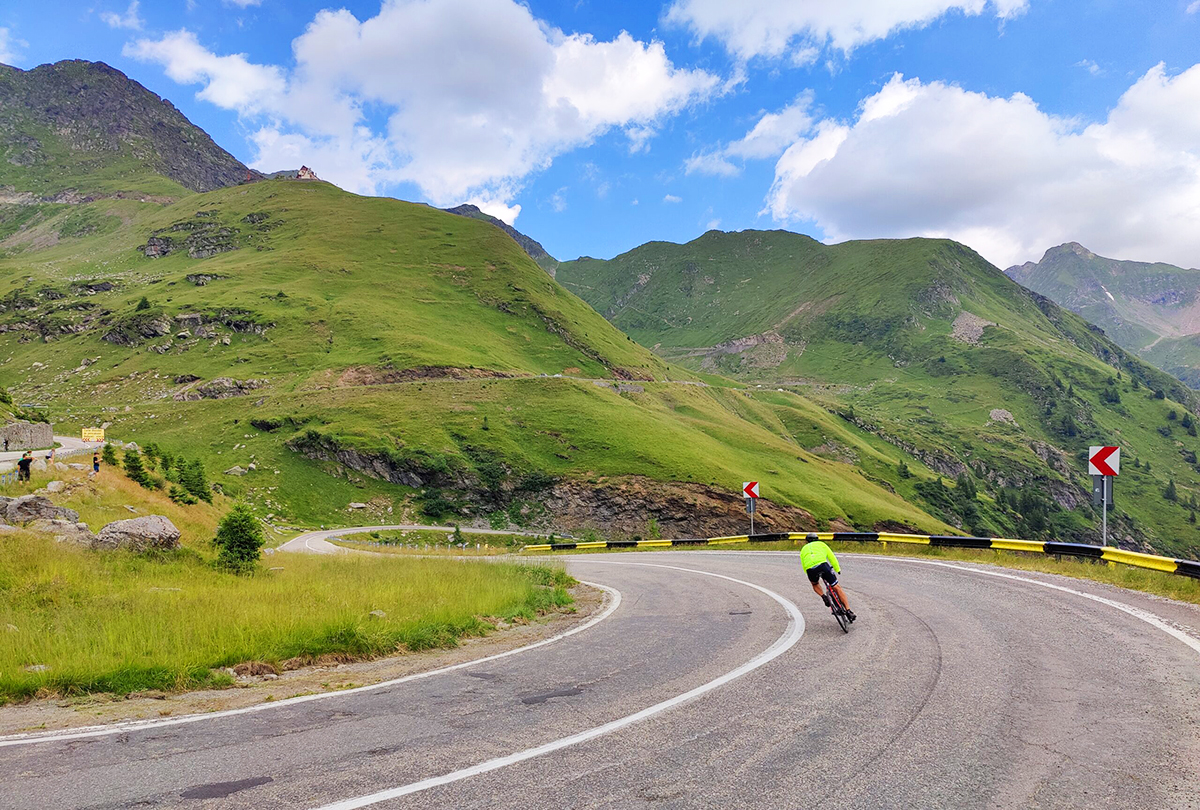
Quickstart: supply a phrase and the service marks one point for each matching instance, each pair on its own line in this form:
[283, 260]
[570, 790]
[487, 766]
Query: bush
[239, 540]
[143, 305]
[196, 482]
[182, 497]
[109, 455]
[1170, 492]
[135, 470]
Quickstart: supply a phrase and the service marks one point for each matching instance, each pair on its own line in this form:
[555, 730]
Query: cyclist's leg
[814, 579]
[841, 595]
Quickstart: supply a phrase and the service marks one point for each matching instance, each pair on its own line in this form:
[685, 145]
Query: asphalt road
[958, 687]
[317, 542]
[66, 442]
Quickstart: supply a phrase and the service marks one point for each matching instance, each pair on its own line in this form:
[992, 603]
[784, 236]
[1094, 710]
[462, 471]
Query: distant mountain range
[1152, 309]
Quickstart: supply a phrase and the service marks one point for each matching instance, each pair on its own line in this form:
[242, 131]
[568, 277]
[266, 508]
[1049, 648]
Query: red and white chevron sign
[1104, 460]
[750, 489]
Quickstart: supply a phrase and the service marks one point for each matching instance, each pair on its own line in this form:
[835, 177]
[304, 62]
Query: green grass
[121, 623]
[864, 330]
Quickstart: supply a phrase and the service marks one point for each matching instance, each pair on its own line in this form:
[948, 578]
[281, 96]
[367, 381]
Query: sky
[595, 126]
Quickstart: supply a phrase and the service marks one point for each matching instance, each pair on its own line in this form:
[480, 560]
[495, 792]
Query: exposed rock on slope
[529, 245]
[94, 113]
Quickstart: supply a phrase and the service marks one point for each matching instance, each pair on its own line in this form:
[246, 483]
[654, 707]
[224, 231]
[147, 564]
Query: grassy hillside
[1151, 309]
[363, 350]
[924, 345]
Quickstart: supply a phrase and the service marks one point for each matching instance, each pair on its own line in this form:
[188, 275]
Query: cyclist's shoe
[850, 614]
[825, 599]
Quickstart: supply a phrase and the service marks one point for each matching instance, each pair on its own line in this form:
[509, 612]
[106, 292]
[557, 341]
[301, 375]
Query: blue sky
[1012, 125]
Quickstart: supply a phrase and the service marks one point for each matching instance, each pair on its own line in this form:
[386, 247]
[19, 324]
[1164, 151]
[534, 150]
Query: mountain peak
[86, 126]
[531, 246]
[1070, 247]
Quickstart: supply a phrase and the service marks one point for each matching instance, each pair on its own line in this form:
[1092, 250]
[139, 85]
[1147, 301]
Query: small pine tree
[1170, 493]
[1071, 391]
[1147, 466]
[144, 304]
[458, 535]
[1192, 518]
[150, 455]
[239, 540]
[1171, 415]
[135, 470]
[1159, 393]
[166, 463]
[180, 470]
[1134, 382]
[196, 482]
[903, 470]
[109, 455]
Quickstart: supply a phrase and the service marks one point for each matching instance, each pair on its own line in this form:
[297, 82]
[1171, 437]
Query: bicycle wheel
[839, 611]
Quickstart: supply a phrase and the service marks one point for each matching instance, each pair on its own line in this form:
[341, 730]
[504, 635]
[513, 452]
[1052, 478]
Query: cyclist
[819, 563]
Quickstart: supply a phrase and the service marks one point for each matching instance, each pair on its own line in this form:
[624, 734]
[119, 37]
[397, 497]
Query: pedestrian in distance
[6, 444]
[95, 462]
[24, 465]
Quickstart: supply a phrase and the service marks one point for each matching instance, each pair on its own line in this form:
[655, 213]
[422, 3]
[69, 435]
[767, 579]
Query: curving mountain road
[960, 686]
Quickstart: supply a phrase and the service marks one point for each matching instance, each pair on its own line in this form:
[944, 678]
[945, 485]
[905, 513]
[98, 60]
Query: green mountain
[77, 128]
[328, 349]
[923, 344]
[1151, 309]
[529, 245]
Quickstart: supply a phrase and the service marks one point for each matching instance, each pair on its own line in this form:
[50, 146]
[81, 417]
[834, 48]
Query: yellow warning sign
[93, 434]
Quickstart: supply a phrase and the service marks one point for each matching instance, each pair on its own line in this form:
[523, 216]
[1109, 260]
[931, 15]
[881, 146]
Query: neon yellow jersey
[814, 552]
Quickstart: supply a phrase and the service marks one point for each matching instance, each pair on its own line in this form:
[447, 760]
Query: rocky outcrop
[64, 531]
[409, 472]
[26, 435]
[201, 237]
[28, 508]
[139, 534]
[140, 326]
[625, 506]
[220, 388]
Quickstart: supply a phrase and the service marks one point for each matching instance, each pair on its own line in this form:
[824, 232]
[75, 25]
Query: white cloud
[243, 3]
[129, 19]
[1001, 175]
[800, 28]
[1194, 7]
[476, 94]
[1091, 67]
[712, 225]
[770, 136]
[671, 198]
[558, 200]
[10, 47]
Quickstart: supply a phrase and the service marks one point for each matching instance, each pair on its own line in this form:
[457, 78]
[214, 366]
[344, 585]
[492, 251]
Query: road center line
[791, 635]
[613, 598]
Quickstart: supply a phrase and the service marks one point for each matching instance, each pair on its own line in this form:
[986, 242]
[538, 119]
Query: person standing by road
[24, 465]
[95, 462]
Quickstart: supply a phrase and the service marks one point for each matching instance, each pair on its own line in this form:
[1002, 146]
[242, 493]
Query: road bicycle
[837, 608]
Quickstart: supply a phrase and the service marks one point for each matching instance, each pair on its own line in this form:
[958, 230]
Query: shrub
[195, 481]
[181, 496]
[903, 470]
[143, 305]
[135, 470]
[109, 454]
[1170, 493]
[239, 540]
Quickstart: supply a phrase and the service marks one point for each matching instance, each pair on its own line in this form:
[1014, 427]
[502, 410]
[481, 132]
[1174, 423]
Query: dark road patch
[484, 676]
[533, 700]
[219, 790]
[740, 612]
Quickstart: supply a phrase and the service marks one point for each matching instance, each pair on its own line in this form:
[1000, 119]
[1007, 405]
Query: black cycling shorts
[823, 571]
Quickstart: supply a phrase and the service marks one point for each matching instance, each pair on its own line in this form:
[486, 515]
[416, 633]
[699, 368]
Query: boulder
[64, 531]
[235, 470]
[356, 506]
[139, 534]
[56, 486]
[60, 466]
[77, 466]
[35, 507]
[39, 464]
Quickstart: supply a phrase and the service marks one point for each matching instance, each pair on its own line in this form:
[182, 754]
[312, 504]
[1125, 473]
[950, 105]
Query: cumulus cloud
[799, 29]
[1004, 176]
[769, 137]
[671, 198]
[10, 47]
[475, 95]
[129, 19]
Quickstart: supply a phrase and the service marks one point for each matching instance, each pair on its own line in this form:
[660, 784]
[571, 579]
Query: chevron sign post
[750, 491]
[1104, 463]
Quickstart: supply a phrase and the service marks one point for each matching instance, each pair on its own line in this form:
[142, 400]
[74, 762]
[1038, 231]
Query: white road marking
[614, 601]
[1137, 613]
[795, 630]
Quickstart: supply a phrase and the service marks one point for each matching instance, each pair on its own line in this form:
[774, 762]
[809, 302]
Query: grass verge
[75, 621]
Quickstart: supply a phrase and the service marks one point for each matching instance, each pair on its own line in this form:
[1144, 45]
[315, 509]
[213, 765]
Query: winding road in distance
[703, 685]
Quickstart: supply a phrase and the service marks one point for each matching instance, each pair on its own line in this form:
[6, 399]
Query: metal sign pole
[1104, 510]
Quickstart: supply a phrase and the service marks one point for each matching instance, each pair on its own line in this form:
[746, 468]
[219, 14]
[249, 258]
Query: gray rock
[64, 531]
[235, 470]
[35, 507]
[356, 506]
[37, 668]
[56, 486]
[39, 464]
[61, 467]
[378, 614]
[76, 466]
[139, 534]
